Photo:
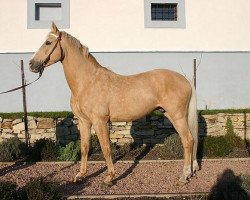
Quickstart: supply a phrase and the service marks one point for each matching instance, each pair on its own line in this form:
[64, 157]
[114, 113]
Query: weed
[12, 149]
[72, 151]
[173, 145]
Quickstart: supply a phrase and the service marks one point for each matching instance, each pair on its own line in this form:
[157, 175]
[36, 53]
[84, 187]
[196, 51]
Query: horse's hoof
[194, 174]
[78, 178]
[106, 185]
[189, 176]
[181, 183]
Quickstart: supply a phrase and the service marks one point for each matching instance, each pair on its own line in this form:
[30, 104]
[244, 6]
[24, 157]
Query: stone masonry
[148, 130]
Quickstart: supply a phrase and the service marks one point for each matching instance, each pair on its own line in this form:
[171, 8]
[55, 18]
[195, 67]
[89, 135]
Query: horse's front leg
[85, 133]
[103, 136]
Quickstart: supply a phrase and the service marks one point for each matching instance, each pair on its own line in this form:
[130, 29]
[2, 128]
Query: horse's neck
[78, 70]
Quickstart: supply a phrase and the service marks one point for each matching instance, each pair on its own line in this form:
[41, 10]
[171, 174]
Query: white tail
[193, 120]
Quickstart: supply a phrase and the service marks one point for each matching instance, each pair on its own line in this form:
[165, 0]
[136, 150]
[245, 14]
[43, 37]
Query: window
[42, 12]
[164, 13]
[48, 11]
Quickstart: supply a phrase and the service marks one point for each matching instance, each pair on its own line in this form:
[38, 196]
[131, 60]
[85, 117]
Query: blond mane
[76, 43]
[84, 49]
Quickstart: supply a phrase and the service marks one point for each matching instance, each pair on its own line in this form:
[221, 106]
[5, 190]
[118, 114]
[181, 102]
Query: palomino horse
[99, 96]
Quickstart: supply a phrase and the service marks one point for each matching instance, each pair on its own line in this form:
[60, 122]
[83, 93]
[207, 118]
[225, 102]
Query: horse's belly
[131, 111]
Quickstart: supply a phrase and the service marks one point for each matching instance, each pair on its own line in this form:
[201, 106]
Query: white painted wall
[118, 25]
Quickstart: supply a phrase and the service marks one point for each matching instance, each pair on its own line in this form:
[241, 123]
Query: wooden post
[195, 68]
[27, 139]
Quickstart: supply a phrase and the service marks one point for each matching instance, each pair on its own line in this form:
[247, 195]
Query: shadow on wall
[151, 130]
[66, 131]
[202, 129]
[229, 187]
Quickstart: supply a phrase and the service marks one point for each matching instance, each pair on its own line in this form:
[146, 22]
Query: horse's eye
[47, 42]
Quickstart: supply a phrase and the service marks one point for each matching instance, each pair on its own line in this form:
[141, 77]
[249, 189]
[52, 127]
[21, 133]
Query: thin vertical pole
[245, 127]
[195, 68]
[25, 106]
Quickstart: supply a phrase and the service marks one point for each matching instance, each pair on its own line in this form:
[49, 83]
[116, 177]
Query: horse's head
[49, 53]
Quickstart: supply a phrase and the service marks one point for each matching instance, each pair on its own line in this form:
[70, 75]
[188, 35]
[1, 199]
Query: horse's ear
[54, 29]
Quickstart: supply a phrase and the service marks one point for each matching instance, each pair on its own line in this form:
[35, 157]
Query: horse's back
[159, 80]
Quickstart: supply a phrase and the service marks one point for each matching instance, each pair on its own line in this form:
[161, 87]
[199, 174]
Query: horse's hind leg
[103, 136]
[181, 126]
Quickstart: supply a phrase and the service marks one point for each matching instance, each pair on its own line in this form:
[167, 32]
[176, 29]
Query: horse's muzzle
[35, 66]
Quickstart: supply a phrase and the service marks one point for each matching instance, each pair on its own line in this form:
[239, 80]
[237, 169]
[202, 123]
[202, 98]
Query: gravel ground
[131, 178]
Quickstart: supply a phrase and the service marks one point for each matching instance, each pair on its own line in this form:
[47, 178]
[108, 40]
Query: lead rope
[20, 87]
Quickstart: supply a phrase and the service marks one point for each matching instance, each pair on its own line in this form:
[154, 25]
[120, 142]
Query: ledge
[123, 161]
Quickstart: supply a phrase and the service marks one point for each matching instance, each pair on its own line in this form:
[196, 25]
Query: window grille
[164, 12]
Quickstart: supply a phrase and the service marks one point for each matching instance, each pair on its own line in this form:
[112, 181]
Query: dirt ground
[134, 178]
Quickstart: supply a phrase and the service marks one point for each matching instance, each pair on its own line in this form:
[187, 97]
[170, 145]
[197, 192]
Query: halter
[58, 38]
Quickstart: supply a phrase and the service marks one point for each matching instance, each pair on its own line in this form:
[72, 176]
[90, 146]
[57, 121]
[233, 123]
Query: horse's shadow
[139, 157]
[15, 167]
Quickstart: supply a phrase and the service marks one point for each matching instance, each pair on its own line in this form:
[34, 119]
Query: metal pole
[25, 107]
[195, 68]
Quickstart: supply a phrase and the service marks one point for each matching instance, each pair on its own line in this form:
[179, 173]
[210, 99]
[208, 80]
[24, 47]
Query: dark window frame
[164, 11]
[42, 5]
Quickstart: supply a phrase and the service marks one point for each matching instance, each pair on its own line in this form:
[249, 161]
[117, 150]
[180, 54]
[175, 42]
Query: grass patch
[157, 113]
[214, 147]
[227, 111]
[209, 112]
[36, 189]
[54, 115]
[68, 114]
[39, 189]
[8, 191]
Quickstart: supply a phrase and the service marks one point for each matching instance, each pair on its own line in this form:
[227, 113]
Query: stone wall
[151, 129]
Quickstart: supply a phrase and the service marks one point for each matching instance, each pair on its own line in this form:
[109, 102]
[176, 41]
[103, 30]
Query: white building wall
[114, 30]
[118, 25]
